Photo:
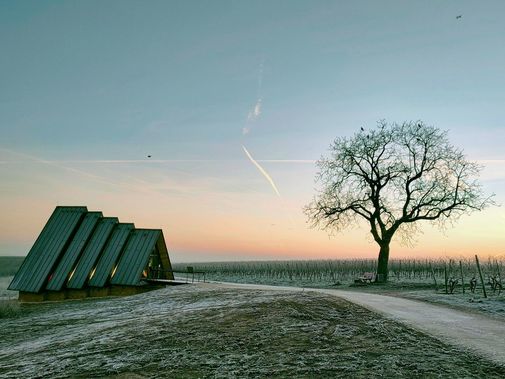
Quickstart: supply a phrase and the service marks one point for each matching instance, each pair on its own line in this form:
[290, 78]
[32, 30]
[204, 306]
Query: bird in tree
[391, 177]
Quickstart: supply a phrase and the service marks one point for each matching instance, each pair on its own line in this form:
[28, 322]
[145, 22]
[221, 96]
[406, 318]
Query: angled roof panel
[111, 254]
[132, 245]
[46, 250]
[73, 251]
[29, 261]
[142, 258]
[135, 257]
[62, 236]
[91, 252]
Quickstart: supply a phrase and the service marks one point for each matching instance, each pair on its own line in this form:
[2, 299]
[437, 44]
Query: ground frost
[196, 332]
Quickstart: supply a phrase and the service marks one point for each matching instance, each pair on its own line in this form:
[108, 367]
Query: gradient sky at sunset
[88, 89]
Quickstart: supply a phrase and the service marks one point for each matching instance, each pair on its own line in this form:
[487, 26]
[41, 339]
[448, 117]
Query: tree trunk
[382, 264]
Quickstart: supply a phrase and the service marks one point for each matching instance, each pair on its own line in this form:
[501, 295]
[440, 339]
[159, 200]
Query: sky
[234, 101]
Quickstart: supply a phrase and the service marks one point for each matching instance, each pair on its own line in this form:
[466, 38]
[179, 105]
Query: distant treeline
[9, 265]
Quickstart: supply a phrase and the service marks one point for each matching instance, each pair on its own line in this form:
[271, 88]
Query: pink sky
[213, 217]
[90, 89]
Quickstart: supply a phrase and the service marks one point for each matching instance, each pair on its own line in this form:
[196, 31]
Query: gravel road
[480, 334]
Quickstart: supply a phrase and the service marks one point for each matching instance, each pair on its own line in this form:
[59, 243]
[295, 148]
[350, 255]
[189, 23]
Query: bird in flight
[362, 129]
[459, 16]
[148, 156]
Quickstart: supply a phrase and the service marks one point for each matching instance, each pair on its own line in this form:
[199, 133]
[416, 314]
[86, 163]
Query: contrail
[262, 170]
[260, 78]
[144, 161]
[255, 113]
[57, 164]
[155, 161]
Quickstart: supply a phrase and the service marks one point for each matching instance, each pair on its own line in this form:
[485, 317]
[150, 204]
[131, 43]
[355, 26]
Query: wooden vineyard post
[461, 272]
[434, 278]
[480, 274]
[445, 278]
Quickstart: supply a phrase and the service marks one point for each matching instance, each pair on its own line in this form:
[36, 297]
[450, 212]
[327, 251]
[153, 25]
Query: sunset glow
[155, 133]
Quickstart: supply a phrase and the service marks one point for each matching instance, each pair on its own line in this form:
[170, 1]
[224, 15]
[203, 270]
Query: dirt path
[482, 335]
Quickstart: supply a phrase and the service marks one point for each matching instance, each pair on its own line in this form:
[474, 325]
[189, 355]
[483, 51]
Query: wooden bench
[367, 277]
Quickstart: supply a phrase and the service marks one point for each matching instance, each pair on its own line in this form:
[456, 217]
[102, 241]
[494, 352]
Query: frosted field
[195, 332]
[414, 273]
[411, 279]
[5, 294]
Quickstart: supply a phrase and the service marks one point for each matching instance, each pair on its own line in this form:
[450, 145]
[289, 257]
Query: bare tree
[391, 177]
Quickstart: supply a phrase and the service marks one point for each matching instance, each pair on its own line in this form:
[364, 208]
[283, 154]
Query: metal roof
[140, 245]
[46, 250]
[77, 248]
[110, 255]
[73, 252]
[94, 247]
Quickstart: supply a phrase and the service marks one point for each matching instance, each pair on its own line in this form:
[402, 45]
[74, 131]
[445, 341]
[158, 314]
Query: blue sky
[83, 83]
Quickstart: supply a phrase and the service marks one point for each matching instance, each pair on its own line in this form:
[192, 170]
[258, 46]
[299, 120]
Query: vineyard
[324, 273]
